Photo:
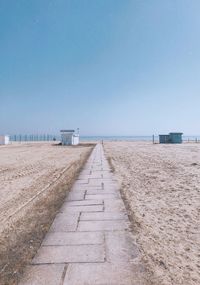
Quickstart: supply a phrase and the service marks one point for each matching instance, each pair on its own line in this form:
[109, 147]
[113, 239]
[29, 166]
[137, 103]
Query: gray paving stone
[103, 169]
[114, 206]
[101, 191]
[108, 184]
[96, 208]
[85, 171]
[101, 196]
[109, 187]
[95, 182]
[74, 238]
[84, 202]
[75, 196]
[64, 223]
[96, 175]
[97, 168]
[108, 175]
[104, 274]
[50, 274]
[84, 176]
[83, 187]
[70, 254]
[116, 225]
[103, 216]
[105, 180]
[120, 247]
[100, 171]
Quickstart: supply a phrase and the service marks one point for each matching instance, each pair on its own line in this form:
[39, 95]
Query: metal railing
[33, 137]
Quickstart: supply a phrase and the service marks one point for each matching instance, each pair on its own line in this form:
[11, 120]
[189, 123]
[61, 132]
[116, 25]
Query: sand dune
[161, 184]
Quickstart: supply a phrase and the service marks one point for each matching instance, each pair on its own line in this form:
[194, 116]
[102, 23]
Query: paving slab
[101, 191]
[104, 274]
[45, 274]
[107, 183]
[114, 205]
[74, 238]
[92, 208]
[107, 187]
[108, 169]
[102, 171]
[83, 187]
[120, 247]
[85, 171]
[103, 216]
[88, 202]
[103, 179]
[70, 254]
[64, 223]
[96, 167]
[107, 174]
[96, 182]
[101, 196]
[98, 175]
[85, 176]
[106, 225]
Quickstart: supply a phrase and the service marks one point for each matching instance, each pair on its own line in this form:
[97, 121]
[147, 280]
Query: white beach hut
[4, 140]
[69, 137]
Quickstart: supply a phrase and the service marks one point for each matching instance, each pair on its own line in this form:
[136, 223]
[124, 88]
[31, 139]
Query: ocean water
[132, 138]
[116, 138]
[48, 137]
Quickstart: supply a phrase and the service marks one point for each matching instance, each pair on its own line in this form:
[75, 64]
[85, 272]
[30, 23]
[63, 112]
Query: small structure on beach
[4, 140]
[69, 137]
[171, 138]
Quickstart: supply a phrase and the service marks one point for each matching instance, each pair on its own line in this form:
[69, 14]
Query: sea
[48, 137]
[116, 138]
[133, 138]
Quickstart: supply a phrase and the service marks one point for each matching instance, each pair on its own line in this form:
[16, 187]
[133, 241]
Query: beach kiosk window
[176, 137]
[69, 137]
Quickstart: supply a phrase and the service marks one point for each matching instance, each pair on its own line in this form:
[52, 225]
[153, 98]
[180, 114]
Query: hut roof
[67, 131]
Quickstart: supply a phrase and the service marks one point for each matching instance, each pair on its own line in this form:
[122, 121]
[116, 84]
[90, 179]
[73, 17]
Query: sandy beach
[161, 186]
[34, 178]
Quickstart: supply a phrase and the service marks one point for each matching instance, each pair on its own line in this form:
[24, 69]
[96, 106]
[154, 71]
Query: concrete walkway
[90, 241]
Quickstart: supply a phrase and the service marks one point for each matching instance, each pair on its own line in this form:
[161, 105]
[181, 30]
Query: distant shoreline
[30, 138]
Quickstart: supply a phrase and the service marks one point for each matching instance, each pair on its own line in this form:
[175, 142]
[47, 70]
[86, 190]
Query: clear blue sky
[109, 67]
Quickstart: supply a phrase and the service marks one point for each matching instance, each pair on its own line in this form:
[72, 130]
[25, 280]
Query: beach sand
[161, 186]
[34, 179]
